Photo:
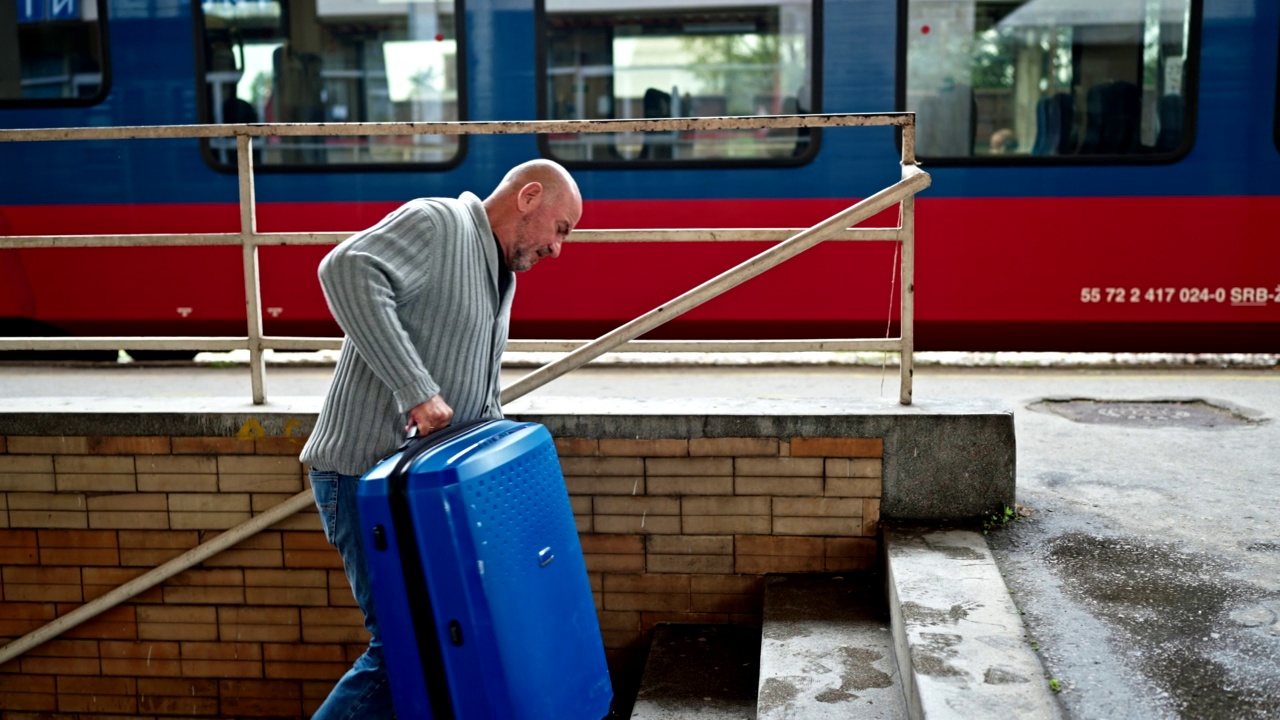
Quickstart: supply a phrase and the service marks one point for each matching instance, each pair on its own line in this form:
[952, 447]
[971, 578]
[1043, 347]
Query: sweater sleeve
[366, 277]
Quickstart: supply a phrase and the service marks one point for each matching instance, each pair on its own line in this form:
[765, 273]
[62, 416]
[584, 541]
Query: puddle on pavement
[1194, 414]
[1178, 616]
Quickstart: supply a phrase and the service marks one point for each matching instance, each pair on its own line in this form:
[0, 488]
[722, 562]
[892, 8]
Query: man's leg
[363, 692]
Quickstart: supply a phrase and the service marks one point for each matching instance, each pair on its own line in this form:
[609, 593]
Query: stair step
[959, 638]
[827, 649]
[703, 671]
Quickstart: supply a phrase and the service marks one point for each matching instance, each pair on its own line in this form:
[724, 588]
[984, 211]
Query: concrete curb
[869, 360]
[960, 644]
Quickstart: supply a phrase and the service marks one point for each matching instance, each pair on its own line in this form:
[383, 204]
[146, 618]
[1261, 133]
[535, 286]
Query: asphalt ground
[1145, 550]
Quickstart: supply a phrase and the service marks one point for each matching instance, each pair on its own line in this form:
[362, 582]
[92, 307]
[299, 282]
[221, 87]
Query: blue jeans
[363, 692]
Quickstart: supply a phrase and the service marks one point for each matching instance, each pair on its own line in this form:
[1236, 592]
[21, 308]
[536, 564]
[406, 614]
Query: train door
[657, 59]
[1058, 132]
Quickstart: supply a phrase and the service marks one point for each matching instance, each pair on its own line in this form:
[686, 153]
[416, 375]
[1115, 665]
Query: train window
[678, 58]
[52, 52]
[1048, 78]
[305, 61]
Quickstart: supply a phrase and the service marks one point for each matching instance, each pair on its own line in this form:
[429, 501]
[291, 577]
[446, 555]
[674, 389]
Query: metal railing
[794, 242]
[249, 239]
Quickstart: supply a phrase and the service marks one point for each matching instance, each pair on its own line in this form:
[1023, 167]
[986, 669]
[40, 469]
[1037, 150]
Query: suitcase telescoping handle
[440, 434]
[412, 435]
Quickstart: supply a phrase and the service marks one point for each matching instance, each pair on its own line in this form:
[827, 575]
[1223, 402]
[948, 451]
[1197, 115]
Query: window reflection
[663, 59]
[308, 61]
[1047, 77]
[51, 50]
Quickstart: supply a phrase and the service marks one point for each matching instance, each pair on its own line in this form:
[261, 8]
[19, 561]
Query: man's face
[540, 231]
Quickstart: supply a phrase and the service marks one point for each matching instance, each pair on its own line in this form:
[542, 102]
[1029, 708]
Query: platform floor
[1144, 558]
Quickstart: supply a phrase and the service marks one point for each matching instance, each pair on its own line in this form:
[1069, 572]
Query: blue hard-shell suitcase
[481, 592]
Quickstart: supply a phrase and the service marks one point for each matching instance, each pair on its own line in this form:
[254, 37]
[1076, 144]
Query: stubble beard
[523, 257]
[522, 261]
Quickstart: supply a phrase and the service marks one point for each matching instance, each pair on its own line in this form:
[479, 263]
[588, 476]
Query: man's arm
[365, 277]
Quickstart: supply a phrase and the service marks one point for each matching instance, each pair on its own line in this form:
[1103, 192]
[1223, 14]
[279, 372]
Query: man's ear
[530, 197]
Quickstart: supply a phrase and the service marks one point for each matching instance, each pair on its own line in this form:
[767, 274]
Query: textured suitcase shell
[480, 588]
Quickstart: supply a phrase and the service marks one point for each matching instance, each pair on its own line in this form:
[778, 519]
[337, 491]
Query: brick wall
[673, 530]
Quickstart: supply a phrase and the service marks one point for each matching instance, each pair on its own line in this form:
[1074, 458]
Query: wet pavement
[1146, 555]
[1148, 570]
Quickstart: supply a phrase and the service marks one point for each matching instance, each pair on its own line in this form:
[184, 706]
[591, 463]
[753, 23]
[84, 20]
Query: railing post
[907, 222]
[249, 247]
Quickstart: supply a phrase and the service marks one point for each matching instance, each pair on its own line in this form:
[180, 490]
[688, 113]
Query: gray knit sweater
[417, 296]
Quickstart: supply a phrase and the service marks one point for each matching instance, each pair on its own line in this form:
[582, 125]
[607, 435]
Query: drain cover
[1155, 414]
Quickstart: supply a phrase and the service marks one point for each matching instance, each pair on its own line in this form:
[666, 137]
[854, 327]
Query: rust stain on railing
[504, 127]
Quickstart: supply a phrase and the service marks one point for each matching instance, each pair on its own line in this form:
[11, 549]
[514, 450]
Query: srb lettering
[1250, 295]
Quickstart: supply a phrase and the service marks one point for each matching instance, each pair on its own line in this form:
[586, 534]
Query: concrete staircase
[934, 636]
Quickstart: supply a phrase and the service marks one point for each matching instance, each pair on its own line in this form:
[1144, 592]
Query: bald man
[424, 298]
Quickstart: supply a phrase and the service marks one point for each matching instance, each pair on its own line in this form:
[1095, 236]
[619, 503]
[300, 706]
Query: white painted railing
[249, 239]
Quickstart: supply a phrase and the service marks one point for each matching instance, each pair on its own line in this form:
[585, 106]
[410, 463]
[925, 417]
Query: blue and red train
[1106, 175]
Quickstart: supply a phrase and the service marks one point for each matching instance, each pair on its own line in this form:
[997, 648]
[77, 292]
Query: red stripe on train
[1017, 261]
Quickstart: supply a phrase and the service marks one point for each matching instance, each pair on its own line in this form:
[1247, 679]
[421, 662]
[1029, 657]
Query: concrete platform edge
[943, 459]
[959, 640]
